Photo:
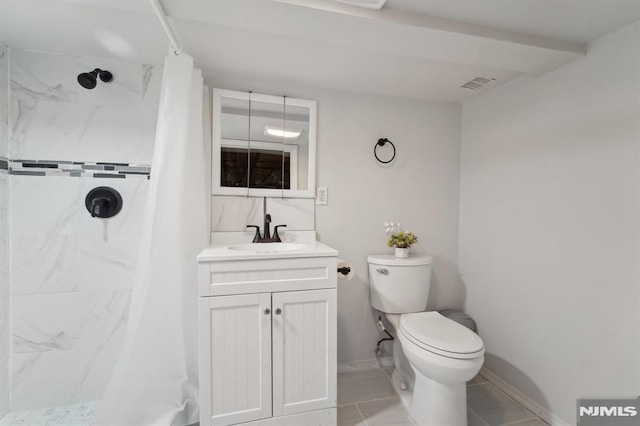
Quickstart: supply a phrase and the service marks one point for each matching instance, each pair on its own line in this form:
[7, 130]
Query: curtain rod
[162, 17]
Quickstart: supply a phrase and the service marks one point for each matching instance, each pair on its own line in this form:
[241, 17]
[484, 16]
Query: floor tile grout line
[385, 372]
[477, 415]
[383, 399]
[514, 401]
[521, 421]
[393, 395]
[361, 415]
[373, 400]
[476, 384]
[534, 416]
[367, 423]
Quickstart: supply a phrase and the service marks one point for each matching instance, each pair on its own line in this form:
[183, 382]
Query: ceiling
[572, 20]
[422, 49]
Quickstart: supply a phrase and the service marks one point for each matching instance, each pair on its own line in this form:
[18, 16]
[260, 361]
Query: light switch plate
[321, 196]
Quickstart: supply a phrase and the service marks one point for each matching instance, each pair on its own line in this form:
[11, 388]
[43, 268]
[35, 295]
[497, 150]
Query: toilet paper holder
[344, 270]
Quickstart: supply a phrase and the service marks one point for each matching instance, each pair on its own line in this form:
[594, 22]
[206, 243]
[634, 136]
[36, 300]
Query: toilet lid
[440, 335]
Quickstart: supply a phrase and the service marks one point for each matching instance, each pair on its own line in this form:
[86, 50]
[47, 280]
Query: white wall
[549, 221]
[420, 190]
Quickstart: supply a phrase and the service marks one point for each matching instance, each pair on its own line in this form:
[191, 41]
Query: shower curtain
[156, 379]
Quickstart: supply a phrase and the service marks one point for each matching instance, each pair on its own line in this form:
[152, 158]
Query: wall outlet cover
[321, 196]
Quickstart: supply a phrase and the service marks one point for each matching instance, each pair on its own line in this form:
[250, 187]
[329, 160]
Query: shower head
[88, 80]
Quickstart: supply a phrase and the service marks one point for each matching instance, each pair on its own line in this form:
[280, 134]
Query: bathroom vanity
[267, 334]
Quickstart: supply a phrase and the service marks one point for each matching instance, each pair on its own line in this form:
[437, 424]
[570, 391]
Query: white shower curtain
[156, 379]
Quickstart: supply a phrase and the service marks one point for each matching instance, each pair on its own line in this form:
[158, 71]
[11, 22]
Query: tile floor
[366, 398]
[72, 415]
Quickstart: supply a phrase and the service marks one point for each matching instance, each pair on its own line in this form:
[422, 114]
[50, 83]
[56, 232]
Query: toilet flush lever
[383, 271]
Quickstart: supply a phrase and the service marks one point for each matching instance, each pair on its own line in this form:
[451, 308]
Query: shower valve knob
[103, 202]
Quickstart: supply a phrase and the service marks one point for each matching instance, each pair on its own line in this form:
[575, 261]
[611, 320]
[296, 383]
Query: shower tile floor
[71, 415]
[366, 398]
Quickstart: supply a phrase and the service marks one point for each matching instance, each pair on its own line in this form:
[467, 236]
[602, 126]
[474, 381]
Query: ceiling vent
[369, 4]
[477, 83]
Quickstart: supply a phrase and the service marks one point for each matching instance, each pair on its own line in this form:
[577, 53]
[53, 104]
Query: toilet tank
[399, 286]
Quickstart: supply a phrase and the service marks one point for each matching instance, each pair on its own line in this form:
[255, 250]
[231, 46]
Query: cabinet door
[235, 358]
[304, 351]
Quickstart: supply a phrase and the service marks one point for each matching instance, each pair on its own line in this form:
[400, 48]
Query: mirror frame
[217, 142]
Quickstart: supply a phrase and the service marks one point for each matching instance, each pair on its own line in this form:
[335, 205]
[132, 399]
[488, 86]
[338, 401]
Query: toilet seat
[442, 336]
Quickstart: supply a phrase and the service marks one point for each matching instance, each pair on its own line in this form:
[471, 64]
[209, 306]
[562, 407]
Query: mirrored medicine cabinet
[263, 145]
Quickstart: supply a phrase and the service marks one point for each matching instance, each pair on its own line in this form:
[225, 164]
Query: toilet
[434, 356]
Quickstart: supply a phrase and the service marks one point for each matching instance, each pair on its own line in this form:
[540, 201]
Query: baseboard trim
[386, 361]
[523, 399]
[365, 364]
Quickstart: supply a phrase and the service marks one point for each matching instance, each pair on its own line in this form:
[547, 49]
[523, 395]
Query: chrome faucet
[266, 237]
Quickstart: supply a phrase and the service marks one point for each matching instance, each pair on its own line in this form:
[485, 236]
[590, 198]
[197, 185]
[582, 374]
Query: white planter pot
[402, 253]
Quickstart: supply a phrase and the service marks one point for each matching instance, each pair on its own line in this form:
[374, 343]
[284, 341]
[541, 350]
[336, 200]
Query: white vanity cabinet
[267, 334]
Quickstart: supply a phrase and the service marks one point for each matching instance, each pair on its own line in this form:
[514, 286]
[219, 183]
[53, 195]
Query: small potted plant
[401, 240]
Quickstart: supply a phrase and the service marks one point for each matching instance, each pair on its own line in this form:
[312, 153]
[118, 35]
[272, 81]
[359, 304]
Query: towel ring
[381, 142]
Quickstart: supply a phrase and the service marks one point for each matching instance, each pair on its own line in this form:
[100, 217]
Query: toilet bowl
[441, 354]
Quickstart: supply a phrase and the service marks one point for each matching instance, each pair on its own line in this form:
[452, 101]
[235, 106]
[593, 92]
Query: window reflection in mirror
[269, 169]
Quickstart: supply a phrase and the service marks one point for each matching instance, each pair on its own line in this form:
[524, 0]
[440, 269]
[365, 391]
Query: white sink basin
[267, 247]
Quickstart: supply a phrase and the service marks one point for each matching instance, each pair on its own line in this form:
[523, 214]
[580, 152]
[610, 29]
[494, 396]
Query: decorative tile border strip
[75, 169]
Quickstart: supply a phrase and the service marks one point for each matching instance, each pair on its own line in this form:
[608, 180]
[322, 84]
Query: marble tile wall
[4, 234]
[4, 101]
[297, 213]
[232, 214]
[71, 284]
[54, 118]
[71, 274]
[235, 213]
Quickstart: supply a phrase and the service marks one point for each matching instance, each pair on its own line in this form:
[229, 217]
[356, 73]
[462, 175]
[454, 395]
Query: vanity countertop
[224, 252]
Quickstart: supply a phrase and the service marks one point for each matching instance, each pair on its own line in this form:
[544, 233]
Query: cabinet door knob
[267, 311]
[278, 311]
